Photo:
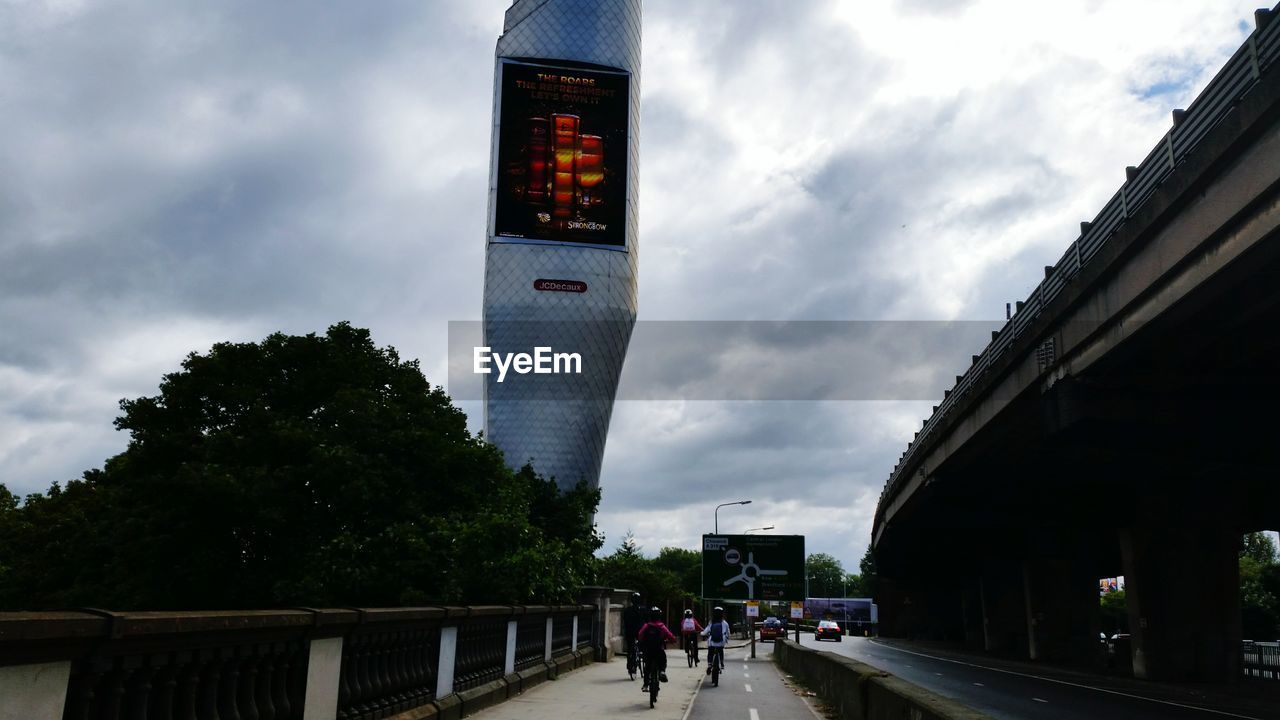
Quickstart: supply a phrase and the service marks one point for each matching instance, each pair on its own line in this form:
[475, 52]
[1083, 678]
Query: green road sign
[753, 567]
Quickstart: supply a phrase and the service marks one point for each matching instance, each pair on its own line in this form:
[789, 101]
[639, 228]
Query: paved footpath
[749, 690]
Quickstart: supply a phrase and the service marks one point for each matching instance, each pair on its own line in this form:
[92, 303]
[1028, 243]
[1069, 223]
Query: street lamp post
[767, 527]
[716, 514]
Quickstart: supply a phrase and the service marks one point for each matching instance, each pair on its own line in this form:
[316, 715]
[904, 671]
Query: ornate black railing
[389, 663]
[482, 647]
[361, 664]
[531, 635]
[199, 665]
[561, 634]
[586, 629]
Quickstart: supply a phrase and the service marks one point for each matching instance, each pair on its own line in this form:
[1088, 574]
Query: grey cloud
[935, 7]
[229, 170]
[740, 360]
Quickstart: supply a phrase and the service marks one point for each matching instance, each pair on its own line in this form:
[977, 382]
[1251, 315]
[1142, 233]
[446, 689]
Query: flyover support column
[1004, 618]
[1182, 579]
[1061, 610]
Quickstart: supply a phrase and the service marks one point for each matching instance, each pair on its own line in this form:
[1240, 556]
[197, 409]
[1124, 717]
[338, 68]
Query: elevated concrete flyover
[1123, 422]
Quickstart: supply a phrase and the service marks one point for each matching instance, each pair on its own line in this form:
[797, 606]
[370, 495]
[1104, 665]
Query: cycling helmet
[635, 598]
[688, 613]
[655, 612]
[717, 613]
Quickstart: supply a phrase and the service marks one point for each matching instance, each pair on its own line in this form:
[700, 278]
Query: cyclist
[689, 629]
[633, 617]
[717, 635]
[653, 639]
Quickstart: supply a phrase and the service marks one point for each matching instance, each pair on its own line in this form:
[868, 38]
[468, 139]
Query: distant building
[561, 259]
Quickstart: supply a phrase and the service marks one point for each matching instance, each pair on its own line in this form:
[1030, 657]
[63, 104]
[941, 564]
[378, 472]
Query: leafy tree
[1259, 588]
[826, 575]
[1115, 612]
[1259, 547]
[628, 548]
[867, 567]
[685, 565]
[854, 586]
[309, 470]
[658, 580]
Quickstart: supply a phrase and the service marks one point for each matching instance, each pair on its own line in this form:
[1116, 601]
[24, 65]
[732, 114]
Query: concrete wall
[857, 691]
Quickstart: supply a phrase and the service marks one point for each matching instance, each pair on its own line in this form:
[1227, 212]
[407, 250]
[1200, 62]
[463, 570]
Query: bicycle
[691, 649]
[652, 678]
[635, 661]
[715, 656]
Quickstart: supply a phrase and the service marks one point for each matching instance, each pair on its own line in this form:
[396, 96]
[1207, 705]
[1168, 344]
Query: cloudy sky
[178, 174]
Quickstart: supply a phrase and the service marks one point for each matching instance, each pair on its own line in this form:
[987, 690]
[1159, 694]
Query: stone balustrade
[304, 663]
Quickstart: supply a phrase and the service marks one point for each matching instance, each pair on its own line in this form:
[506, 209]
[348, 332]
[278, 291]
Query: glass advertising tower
[562, 241]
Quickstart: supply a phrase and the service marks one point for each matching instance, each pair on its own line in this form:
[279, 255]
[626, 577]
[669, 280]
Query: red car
[828, 630]
[771, 629]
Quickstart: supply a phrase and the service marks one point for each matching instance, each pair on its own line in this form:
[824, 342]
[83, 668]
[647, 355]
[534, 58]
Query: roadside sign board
[753, 567]
[753, 608]
[797, 611]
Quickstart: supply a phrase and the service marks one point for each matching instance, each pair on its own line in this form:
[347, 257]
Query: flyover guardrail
[1256, 57]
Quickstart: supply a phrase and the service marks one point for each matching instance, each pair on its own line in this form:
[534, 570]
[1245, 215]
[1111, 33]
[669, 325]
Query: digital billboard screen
[562, 155]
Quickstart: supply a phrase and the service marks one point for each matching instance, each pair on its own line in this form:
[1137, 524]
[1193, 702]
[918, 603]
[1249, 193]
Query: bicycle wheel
[654, 686]
[631, 663]
[688, 651]
[715, 668]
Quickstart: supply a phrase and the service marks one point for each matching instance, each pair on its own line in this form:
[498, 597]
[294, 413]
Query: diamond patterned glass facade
[560, 423]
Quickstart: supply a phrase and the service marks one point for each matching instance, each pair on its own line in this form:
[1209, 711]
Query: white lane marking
[979, 684]
[1071, 684]
[938, 674]
[754, 715]
[748, 686]
[1039, 700]
[746, 675]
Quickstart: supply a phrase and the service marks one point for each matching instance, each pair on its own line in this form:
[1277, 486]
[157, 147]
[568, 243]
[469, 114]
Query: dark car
[828, 630]
[771, 629]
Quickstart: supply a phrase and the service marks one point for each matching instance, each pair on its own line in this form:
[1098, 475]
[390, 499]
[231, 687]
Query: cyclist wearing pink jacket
[689, 629]
[653, 639]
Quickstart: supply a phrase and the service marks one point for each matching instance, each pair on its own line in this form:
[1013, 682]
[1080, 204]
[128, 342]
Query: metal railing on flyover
[1261, 660]
[1241, 74]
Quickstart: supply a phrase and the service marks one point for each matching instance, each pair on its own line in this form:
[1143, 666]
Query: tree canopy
[826, 575]
[1259, 588]
[301, 470]
[674, 576]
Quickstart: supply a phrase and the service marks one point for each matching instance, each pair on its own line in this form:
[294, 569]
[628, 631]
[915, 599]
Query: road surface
[1008, 694]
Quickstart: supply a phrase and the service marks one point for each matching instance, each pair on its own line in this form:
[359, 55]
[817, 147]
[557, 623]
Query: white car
[828, 630]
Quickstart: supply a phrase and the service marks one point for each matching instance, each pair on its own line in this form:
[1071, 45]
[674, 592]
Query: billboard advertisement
[753, 567]
[1110, 585]
[859, 610]
[562, 155]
